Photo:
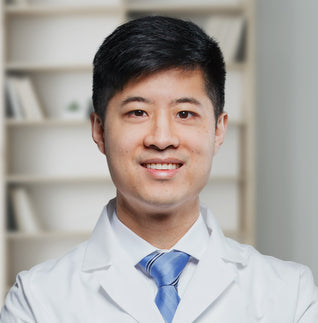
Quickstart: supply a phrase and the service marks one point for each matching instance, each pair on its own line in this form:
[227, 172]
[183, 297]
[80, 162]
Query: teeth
[162, 166]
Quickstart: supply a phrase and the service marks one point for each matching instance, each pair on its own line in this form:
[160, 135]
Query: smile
[162, 166]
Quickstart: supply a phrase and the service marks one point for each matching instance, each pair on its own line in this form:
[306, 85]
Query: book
[22, 99]
[227, 31]
[18, 2]
[236, 28]
[15, 107]
[28, 99]
[23, 211]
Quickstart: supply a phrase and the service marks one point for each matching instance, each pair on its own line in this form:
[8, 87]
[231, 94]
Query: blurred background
[54, 182]
[286, 130]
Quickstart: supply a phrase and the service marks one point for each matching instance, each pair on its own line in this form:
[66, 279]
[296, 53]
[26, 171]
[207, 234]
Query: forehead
[168, 84]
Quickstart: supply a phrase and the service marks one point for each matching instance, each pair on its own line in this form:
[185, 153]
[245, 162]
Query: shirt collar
[135, 246]
[198, 233]
[229, 250]
[102, 248]
[138, 248]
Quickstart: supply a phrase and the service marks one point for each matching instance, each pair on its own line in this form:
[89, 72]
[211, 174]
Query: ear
[98, 131]
[220, 131]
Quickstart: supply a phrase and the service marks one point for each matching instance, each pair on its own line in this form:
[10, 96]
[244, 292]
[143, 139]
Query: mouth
[162, 166]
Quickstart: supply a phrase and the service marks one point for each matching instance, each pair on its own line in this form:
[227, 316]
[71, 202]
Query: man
[155, 255]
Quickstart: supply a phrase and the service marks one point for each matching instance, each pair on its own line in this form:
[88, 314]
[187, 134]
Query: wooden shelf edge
[27, 10]
[56, 179]
[171, 7]
[20, 67]
[235, 66]
[15, 235]
[76, 123]
[48, 123]
[237, 235]
[94, 179]
[142, 6]
[226, 179]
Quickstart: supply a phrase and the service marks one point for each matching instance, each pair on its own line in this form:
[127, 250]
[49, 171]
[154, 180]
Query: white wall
[287, 132]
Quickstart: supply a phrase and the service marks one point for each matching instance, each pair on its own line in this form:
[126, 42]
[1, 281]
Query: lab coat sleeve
[307, 309]
[17, 307]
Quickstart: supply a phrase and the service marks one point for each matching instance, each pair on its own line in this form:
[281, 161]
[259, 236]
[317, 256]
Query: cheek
[201, 146]
[121, 145]
[201, 142]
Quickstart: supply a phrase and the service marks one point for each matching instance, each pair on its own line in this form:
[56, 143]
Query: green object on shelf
[73, 107]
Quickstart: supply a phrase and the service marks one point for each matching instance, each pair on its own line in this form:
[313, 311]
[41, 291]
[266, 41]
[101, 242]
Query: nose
[162, 133]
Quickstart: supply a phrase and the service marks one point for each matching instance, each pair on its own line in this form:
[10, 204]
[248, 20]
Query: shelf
[236, 235]
[48, 123]
[50, 179]
[141, 7]
[225, 179]
[235, 66]
[75, 123]
[53, 73]
[95, 179]
[20, 67]
[236, 123]
[193, 8]
[39, 10]
[14, 235]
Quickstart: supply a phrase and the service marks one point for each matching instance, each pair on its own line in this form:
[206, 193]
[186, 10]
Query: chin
[166, 203]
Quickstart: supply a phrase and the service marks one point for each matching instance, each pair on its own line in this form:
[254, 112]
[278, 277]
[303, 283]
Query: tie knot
[165, 268]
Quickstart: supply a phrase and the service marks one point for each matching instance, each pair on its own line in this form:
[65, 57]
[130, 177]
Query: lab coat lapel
[215, 272]
[118, 277]
[121, 283]
[211, 278]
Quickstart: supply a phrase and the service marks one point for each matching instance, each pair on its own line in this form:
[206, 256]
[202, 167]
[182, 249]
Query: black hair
[154, 43]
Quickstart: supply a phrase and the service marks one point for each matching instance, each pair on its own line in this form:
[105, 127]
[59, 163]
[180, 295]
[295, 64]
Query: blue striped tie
[166, 269]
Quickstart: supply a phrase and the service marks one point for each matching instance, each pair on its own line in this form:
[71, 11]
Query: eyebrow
[186, 100]
[135, 99]
[141, 99]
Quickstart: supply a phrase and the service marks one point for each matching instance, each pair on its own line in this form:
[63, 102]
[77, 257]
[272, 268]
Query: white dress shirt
[137, 248]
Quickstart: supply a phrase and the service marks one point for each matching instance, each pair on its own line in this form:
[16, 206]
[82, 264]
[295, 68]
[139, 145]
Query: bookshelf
[54, 159]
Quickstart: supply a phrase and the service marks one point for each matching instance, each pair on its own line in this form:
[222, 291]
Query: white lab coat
[233, 283]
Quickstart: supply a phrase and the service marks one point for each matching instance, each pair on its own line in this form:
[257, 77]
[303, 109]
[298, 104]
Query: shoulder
[48, 272]
[268, 267]
[261, 276]
[38, 288]
[265, 277]
[274, 268]
[50, 277]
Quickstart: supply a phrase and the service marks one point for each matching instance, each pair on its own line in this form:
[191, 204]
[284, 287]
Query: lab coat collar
[213, 275]
[108, 262]
[101, 243]
[215, 272]
[228, 249]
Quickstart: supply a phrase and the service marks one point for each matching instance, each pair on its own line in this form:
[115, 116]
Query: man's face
[159, 138]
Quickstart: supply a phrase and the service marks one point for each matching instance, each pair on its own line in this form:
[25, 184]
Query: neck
[161, 228]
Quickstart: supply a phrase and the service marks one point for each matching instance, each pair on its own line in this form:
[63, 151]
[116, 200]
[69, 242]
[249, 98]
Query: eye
[137, 113]
[184, 114]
